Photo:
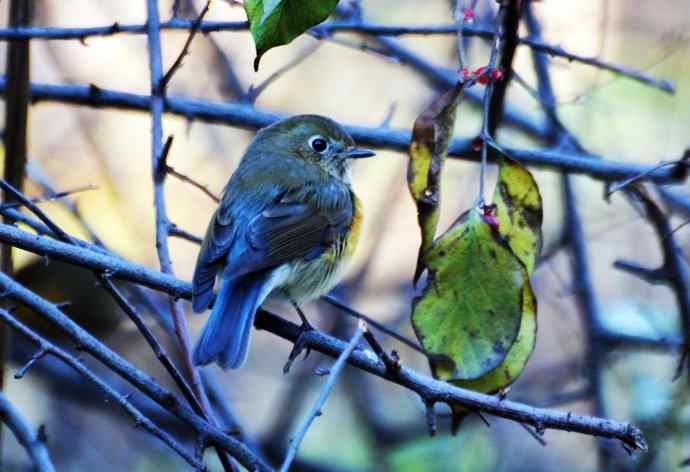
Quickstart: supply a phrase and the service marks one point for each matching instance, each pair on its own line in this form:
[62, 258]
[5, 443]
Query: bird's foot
[300, 345]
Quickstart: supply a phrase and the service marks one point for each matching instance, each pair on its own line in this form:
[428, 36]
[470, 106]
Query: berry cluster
[482, 75]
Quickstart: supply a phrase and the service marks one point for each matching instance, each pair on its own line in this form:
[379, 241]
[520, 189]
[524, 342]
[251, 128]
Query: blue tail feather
[227, 333]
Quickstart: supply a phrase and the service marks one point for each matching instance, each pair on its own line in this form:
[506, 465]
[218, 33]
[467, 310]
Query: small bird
[287, 221]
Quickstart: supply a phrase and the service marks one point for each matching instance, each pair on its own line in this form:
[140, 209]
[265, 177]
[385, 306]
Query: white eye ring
[318, 144]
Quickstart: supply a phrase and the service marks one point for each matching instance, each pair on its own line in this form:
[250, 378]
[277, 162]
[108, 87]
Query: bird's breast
[309, 279]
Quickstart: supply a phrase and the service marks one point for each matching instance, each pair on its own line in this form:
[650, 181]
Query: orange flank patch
[355, 229]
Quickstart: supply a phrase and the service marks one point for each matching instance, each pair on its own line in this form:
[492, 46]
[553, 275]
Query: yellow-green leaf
[519, 207]
[470, 312]
[428, 150]
[277, 22]
[519, 353]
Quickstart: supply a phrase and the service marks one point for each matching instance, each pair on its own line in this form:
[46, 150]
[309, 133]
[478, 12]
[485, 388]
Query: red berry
[464, 72]
[489, 213]
[497, 73]
[480, 71]
[483, 80]
[492, 220]
[468, 14]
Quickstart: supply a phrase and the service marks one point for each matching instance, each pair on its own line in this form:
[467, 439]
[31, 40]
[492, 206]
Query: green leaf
[470, 312]
[428, 151]
[277, 22]
[520, 214]
[519, 353]
[519, 208]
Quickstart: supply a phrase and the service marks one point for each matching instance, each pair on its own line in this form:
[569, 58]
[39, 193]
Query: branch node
[37, 356]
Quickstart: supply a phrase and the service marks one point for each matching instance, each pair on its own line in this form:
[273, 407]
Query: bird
[287, 221]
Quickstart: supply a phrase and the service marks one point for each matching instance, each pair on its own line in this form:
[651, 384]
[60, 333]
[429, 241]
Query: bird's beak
[358, 153]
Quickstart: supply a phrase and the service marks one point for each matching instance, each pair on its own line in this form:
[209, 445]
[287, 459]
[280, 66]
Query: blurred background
[367, 424]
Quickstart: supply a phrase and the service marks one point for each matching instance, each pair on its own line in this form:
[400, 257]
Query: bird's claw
[299, 346]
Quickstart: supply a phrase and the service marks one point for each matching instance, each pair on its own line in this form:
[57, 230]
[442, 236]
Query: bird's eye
[318, 144]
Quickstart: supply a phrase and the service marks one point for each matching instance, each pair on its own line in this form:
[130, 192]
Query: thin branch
[185, 49]
[675, 267]
[361, 316]
[245, 116]
[679, 164]
[188, 180]
[159, 154]
[143, 296]
[425, 386]
[37, 356]
[152, 340]
[323, 395]
[34, 442]
[486, 135]
[254, 92]
[178, 232]
[103, 277]
[139, 418]
[50, 196]
[14, 139]
[142, 381]
[329, 28]
[509, 33]
[585, 294]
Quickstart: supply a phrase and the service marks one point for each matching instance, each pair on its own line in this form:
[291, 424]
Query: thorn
[483, 418]
[430, 417]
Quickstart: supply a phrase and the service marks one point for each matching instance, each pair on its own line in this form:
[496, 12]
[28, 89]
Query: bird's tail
[227, 333]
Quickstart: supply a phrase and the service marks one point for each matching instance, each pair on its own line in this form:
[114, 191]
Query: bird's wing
[218, 240]
[296, 225]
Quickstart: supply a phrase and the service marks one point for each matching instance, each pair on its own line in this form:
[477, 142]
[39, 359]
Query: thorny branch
[33, 442]
[329, 28]
[246, 116]
[139, 418]
[674, 270]
[426, 387]
[159, 154]
[211, 434]
[323, 395]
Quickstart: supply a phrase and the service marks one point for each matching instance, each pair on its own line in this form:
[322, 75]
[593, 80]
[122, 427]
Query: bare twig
[207, 377]
[178, 232]
[422, 385]
[679, 165]
[142, 381]
[14, 140]
[329, 28]
[120, 399]
[361, 316]
[585, 294]
[485, 135]
[16, 111]
[51, 196]
[159, 154]
[152, 340]
[509, 33]
[245, 116]
[254, 92]
[323, 395]
[34, 442]
[185, 49]
[674, 270]
[188, 180]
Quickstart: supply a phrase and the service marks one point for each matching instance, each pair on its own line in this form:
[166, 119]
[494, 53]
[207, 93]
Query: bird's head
[316, 139]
